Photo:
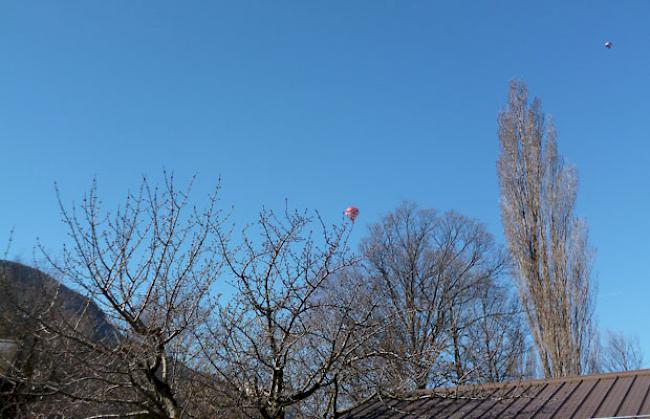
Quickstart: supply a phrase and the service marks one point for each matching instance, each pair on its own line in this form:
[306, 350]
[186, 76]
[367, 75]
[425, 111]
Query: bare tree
[431, 274]
[548, 243]
[620, 353]
[150, 268]
[492, 345]
[281, 342]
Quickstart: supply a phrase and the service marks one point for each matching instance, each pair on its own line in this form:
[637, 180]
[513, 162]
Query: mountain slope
[24, 291]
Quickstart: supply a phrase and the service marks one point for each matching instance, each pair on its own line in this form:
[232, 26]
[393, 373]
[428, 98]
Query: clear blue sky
[328, 104]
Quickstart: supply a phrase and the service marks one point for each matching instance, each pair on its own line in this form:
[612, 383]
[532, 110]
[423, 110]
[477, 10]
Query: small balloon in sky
[608, 45]
[351, 213]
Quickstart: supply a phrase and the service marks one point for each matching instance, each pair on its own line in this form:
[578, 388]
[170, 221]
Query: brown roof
[611, 395]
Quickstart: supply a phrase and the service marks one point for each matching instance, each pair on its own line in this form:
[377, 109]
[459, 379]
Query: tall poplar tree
[548, 243]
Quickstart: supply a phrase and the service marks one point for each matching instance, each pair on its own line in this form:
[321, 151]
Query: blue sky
[327, 104]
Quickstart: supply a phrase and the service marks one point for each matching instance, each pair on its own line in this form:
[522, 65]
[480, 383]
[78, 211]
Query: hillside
[26, 291]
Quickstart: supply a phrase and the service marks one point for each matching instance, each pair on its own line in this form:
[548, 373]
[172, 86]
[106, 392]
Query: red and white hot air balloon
[351, 213]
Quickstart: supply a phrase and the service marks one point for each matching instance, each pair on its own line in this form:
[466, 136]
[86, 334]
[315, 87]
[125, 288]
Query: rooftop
[613, 395]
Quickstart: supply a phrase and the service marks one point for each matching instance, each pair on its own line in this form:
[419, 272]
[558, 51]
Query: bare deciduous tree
[620, 353]
[548, 243]
[492, 346]
[281, 340]
[150, 268]
[431, 274]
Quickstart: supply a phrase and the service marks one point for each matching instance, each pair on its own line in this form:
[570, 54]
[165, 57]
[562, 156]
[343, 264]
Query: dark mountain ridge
[25, 290]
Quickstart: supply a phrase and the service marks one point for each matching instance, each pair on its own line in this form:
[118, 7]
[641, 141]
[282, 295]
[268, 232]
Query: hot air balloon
[351, 213]
[608, 45]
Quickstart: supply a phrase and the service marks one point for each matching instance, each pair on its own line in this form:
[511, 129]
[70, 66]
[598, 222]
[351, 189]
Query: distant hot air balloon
[608, 45]
[351, 213]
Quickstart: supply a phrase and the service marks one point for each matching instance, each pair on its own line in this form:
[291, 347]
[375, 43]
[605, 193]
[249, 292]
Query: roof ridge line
[537, 381]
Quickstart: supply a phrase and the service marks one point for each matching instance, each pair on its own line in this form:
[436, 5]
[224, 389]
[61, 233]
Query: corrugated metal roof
[625, 394]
